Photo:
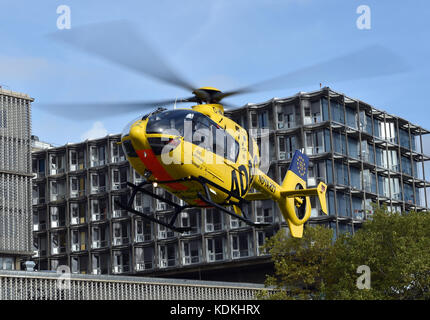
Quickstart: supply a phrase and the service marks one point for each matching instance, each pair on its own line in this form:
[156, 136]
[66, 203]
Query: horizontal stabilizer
[318, 191]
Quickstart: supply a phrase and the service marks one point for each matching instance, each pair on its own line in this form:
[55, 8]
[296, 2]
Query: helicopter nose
[138, 136]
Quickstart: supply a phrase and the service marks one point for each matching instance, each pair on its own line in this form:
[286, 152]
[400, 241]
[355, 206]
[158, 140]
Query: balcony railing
[98, 216]
[58, 223]
[141, 266]
[77, 193]
[120, 269]
[143, 237]
[39, 226]
[98, 244]
[98, 189]
[240, 254]
[120, 241]
[210, 227]
[116, 159]
[190, 260]
[78, 247]
[119, 214]
[77, 220]
[215, 256]
[58, 250]
[57, 197]
[38, 200]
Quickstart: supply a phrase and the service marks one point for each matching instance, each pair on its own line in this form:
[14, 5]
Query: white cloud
[97, 131]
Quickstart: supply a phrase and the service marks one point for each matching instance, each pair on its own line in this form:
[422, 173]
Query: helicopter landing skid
[178, 208]
[150, 217]
[207, 199]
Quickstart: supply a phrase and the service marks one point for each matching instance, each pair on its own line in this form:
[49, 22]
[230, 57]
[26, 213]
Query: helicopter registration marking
[267, 184]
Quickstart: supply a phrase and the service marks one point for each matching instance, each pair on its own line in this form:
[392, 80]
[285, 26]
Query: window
[117, 153]
[214, 220]
[337, 113]
[144, 258]
[215, 249]
[191, 219]
[167, 255]
[263, 119]
[264, 212]
[261, 239]
[241, 245]
[254, 120]
[351, 117]
[314, 142]
[73, 160]
[97, 155]
[190, 252]
[143, 230]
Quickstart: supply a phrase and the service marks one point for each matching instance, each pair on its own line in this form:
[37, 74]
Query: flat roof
[415, 128]
[15, 94]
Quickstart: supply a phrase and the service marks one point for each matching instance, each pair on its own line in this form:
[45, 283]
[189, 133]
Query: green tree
[395, 247]
[298, 263]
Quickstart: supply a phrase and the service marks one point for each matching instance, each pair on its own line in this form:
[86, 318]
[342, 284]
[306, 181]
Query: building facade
[15, 178]
[365, 156]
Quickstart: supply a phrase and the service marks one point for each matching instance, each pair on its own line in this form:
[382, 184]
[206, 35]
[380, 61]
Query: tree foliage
[395, 247]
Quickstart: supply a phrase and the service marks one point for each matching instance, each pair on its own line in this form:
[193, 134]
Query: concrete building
[15, 178]
[366, 156]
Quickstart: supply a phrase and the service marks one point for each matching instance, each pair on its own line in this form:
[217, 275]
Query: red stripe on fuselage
[151, 162]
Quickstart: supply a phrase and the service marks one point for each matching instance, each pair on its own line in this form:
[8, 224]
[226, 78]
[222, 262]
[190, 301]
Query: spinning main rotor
[119, 42]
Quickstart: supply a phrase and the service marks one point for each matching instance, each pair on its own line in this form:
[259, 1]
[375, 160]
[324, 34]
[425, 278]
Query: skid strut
[178, 208]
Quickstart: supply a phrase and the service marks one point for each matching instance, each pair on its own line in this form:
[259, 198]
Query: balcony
[99, 244]
[212, 257]
[98, 217]
[58, 250]
[190, 260]
[78, 247]
[143, 237]
[77, 193]
[120, 269]
[57, 197]
[39, 227]
[38, 200]
[77, 220]
[120, 214]
[236, 254]
[210, 227]
[164, 263]
[142, 266]
[117, 241]
[98, 189]
[116, 159]
[58, 223]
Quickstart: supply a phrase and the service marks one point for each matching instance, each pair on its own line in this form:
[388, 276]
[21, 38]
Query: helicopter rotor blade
[102, 110]
[121, 43]
[371, 61]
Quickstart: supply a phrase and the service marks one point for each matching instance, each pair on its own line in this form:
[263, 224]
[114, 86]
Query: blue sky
[226, 44]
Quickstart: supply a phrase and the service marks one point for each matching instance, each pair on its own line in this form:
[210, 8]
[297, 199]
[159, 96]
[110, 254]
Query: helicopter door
[202, 132]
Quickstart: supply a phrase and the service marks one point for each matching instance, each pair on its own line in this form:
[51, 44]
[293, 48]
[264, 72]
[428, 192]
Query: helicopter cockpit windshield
[169, 122]
[195, 127]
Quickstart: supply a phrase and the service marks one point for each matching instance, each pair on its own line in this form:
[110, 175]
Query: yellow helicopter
[198, 154]
[208, 160]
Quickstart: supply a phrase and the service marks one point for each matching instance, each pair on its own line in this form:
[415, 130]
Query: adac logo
[301, 166]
